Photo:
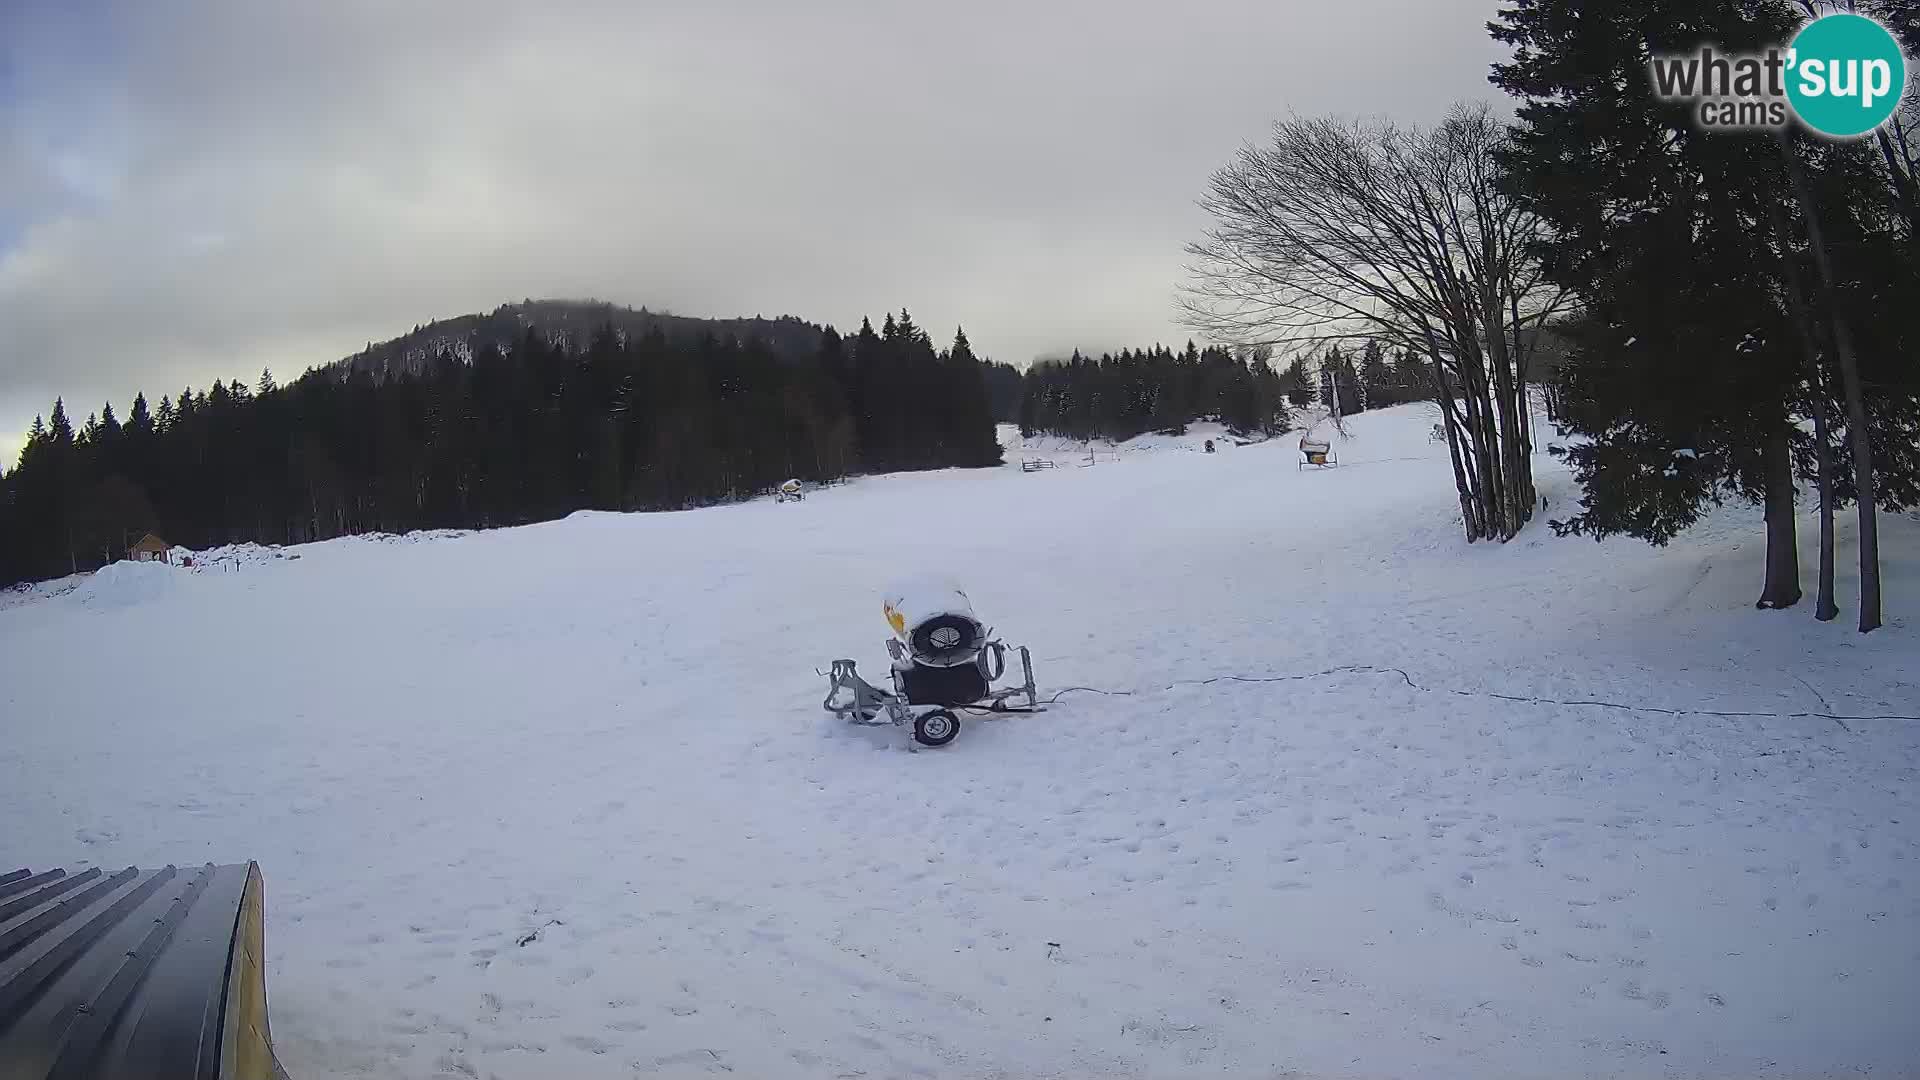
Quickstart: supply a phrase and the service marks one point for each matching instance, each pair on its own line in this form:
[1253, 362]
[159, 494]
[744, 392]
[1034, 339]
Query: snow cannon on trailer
[945, 661]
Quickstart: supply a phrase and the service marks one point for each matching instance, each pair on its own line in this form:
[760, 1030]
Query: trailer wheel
[936, 728]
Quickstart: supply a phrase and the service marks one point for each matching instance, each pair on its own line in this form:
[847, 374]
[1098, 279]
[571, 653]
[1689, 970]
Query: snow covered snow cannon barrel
[944, 659]
[134, 973]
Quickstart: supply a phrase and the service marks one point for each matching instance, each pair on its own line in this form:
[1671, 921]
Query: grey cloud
[208, 189]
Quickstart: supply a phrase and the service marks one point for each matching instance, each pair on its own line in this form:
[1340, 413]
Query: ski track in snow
[560, 801]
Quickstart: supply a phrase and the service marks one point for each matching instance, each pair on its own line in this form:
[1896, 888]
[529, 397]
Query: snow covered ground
[559, 801]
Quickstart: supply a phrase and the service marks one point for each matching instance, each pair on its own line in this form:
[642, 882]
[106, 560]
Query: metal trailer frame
[857, 701]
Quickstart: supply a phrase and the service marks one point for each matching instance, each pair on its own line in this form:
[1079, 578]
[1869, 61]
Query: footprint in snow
[588, 1043]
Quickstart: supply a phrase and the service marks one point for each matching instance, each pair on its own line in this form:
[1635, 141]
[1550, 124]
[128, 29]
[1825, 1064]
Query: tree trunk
[1469, 506]
[1485, 447]
[1443, 397]
[1516, 503]
[1903, 187]
[1825, 609]
[1858, 438]
[1861, 443]
[1783, 549]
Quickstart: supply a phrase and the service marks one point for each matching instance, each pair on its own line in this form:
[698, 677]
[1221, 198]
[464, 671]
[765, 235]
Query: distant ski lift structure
[1330, 398]
[1316, 452]
[1316, 441]
[1323, 426]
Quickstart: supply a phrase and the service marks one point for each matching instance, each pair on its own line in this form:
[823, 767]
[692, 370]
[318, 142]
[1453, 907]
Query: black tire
[936, 728]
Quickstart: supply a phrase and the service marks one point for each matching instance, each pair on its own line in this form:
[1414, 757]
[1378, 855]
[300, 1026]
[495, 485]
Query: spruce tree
[972, 416]
[1299, 383]
[1682, 380]
[1376, 379]
[60, 431]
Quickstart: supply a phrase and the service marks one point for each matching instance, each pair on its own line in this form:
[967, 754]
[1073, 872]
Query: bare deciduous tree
[1342, 230]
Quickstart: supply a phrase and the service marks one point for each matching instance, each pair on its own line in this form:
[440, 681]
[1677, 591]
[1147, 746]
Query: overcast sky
[198, 190]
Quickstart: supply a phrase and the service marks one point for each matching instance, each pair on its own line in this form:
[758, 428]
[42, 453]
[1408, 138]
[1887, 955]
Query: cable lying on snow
[1369, 669]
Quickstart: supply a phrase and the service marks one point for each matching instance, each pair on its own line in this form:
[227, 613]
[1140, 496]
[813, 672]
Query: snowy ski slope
[559, 801]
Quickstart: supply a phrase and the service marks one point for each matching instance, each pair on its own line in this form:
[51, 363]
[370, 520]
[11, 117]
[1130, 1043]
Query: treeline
[1120, 395]
[526, 433]
[1370, 382]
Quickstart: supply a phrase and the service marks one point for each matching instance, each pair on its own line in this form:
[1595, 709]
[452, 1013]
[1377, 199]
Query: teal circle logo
[1846, 75]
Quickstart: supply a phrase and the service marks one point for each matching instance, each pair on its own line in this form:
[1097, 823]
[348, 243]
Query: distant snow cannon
[944, 659]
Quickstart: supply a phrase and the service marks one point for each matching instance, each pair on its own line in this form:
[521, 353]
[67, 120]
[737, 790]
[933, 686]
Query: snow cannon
[933, 624]
[945, 660]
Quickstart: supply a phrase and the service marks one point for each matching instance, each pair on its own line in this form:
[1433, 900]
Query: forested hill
[569, 324]
[502, 433]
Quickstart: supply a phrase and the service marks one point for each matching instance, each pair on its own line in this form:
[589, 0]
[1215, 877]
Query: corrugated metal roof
[123, 974]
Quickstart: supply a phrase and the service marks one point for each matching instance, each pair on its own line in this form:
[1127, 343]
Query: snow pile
[28, 592]
[1357, 799]
[126, 583]
[421, 537]
[250, 555]
[230, 556]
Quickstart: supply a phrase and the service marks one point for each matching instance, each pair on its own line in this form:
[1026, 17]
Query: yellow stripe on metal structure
[134, 974]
